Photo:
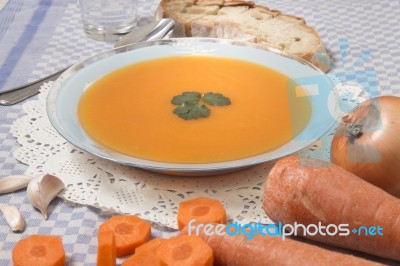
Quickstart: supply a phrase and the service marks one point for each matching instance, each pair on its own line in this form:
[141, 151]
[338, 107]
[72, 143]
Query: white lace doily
[93, 181]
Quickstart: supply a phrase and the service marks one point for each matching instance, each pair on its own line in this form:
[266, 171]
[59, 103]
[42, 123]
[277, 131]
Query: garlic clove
[13, 217]
[42, 190]
[13, 183]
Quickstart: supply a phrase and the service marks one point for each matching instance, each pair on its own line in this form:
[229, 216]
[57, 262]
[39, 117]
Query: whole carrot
[313, 192]
[273, 250]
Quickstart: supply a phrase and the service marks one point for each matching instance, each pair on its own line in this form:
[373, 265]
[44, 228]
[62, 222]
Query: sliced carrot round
[129, 231]
[147, 258]
[185, 250]
[151, 245]
[44, 250]
[106, 251]
[202, 210]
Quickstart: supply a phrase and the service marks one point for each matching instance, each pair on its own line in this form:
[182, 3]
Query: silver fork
[155, 30]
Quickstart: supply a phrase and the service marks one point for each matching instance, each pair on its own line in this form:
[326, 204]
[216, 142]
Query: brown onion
[367, 143]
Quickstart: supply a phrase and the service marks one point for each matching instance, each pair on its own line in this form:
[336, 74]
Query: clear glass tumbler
[108, 20]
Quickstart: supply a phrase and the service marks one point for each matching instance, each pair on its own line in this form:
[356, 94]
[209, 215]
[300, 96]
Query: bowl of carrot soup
[192, 106]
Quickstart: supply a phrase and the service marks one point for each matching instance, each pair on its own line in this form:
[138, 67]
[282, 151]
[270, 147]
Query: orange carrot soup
[193, 109]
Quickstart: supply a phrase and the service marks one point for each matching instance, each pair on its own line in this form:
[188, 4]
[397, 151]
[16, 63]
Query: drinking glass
[108, 20]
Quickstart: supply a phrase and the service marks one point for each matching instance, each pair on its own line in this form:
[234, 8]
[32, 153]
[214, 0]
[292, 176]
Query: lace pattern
[106, 185]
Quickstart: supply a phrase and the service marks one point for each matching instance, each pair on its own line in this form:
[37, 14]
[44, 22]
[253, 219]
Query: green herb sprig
[193, 105]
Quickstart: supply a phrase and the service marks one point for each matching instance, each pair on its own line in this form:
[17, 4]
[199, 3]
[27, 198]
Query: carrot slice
[185, 250]
[202, 210]
[144, 258]
[129, 231]
[150, 257]
[151, 245]
[43, 250]
[106, 254]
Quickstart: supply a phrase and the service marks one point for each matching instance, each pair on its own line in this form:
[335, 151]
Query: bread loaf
[243, 20]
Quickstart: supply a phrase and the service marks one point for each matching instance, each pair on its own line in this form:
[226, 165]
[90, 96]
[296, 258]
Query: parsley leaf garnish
[187, 97]
[189, 104]
[188, 111]
[216, 99]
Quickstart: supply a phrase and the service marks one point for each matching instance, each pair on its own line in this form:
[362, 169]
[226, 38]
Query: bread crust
[244, 20]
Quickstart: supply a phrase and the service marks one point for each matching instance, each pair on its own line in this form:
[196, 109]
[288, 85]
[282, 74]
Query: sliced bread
[243, 20]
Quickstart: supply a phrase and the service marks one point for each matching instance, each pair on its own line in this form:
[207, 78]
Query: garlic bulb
[13, 217]
[42, 190]
[13, 183]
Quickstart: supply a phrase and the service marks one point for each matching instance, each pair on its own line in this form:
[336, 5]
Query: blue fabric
[25, 28]
[8, 13]
[24, 40]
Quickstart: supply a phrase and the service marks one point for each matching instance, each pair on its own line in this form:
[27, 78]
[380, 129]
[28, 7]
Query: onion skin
[367, 143]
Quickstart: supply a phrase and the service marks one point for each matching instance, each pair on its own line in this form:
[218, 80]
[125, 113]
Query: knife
[155, 30]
